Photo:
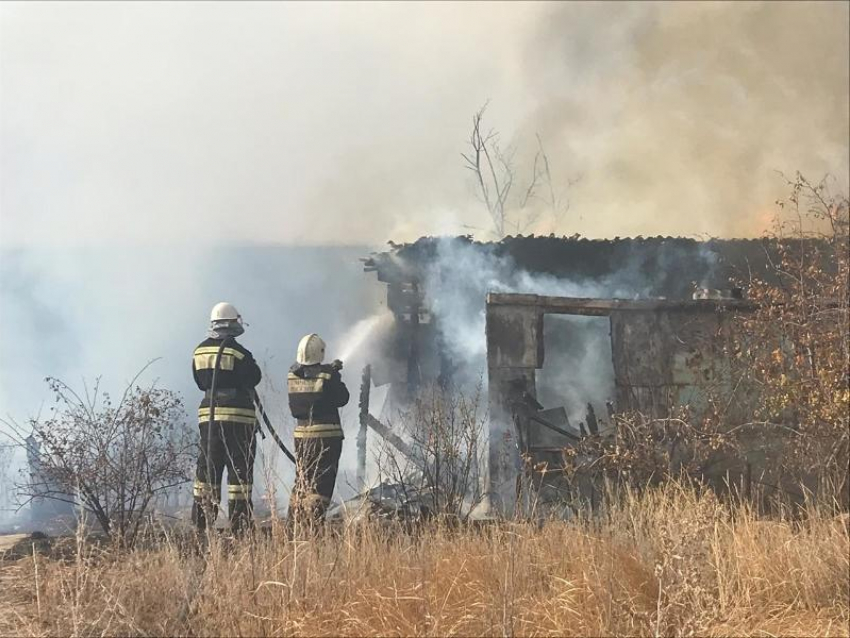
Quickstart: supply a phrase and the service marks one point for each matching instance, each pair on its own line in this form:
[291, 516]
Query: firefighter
[316, 392]
[229, 440]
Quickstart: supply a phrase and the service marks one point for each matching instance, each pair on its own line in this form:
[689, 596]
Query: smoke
[577, 364]
[676, 116]
[155, 156]
[343, 124]
[463, 273]
[577, 368]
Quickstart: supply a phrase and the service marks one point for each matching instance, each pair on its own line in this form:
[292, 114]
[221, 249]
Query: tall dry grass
[667, 562]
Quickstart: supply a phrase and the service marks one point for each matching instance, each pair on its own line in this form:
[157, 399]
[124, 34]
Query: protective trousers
[230, 445]
[317, 462]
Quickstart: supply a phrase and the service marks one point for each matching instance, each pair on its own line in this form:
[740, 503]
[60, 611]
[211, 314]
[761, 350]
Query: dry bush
[669, 561]
[789, 363]
[445, 437]
[795, 348]
[111, 460]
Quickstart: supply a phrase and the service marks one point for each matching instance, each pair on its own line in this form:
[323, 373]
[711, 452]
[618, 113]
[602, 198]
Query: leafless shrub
[649, 451]
[512, 207]
[113, 460]
[446, 435]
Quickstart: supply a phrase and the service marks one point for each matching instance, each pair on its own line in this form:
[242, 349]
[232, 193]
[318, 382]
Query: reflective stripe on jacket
[315, 395]
[237, 376]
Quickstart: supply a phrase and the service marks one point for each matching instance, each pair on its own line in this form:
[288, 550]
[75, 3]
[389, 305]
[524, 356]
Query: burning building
[566, 332]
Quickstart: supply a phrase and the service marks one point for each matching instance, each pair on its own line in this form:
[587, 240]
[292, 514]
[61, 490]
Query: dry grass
[669, 562]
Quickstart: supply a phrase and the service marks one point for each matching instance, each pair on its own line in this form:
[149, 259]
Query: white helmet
[311, 350]
[224, 311]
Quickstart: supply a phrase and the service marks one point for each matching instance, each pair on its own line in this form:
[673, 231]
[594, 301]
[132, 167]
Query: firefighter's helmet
[224, 311]
[311, 350]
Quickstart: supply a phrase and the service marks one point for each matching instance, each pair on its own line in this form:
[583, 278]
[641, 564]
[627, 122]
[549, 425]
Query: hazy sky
[344, 123]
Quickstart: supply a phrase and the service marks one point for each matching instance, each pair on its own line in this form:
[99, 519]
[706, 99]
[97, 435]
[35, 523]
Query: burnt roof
[673, 264]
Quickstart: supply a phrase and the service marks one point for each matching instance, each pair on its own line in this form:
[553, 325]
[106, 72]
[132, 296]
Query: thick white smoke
[577, 364]
[463, 273]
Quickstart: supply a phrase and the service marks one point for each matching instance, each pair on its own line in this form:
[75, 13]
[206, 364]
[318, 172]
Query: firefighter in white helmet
[227, 373]
[316, 392]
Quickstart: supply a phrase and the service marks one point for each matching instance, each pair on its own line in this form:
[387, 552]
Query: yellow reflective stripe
[207, 362]
[318, 430]
[297, 385]
[319, 435]
[247, 420]
[318, 426]
[214, 350]
[222, 411]
[206, 490]
[235, 415]
[321, 375]
[239, 492]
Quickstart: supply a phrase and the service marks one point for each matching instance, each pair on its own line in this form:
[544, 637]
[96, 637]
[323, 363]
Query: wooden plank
[389, 436]
[365, 391]
[596, 307]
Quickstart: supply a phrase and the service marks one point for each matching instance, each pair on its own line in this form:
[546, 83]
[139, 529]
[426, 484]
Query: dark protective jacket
[238, 373]
[316, 393]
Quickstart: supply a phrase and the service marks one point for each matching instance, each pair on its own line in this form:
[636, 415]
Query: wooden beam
[594, 307]
[391, 437]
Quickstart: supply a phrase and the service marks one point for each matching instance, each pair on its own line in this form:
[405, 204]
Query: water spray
[358, 335]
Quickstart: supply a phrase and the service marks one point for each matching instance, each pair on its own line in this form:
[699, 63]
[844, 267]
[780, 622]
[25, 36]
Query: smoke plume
[677, 116]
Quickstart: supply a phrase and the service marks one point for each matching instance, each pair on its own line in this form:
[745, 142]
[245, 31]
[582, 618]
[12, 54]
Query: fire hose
[269, 427]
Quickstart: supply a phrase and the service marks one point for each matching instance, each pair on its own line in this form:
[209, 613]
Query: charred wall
[665, 354]
[664, 359]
